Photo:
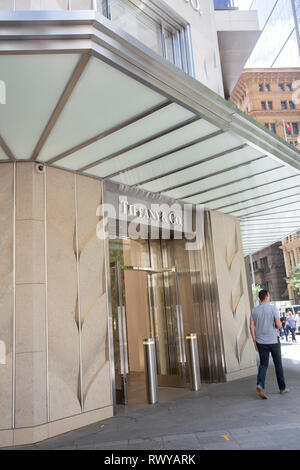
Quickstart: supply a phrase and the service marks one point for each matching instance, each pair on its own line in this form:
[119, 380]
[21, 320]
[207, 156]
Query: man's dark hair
[263, 294]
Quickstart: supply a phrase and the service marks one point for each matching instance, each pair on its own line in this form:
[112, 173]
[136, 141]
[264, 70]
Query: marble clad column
[31, 372]
[64, 360]
[54, 352]
[6, 292]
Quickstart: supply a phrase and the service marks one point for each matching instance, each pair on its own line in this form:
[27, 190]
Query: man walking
[264, 323]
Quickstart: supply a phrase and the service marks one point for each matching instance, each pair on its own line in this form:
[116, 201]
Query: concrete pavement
[226, 416]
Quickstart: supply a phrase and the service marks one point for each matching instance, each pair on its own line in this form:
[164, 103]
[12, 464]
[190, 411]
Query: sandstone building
[272, 97]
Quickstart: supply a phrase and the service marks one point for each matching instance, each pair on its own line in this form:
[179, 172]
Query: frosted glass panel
[254, 192]
[231, 175]
[177, 160]
[33, 88]
[260, 202]
[142, 129]
[161, 145]
[205, 168]
[293, 203]
[103, 98]
[228, 184]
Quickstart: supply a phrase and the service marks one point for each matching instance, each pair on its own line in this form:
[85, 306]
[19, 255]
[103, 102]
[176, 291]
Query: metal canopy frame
[93, 36]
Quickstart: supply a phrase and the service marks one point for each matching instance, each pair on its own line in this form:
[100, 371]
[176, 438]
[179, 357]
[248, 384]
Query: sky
[243, 4]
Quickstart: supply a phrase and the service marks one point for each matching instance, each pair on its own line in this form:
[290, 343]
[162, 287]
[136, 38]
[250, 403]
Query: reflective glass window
[164, 35]
[277, 45]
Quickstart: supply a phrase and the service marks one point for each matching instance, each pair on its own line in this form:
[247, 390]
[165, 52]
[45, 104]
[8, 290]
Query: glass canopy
[94, 118]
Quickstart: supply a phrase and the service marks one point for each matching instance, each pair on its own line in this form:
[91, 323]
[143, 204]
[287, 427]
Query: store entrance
[146, 304]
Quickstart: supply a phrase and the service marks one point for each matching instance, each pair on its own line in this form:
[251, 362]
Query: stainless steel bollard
[194, 362]
[151, 370]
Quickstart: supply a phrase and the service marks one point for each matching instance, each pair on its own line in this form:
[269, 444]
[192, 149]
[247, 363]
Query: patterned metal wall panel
[234, 296]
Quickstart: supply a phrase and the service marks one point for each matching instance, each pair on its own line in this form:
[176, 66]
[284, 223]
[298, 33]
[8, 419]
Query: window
[265, 264]
[263, 105]
[267, 125]
[289, 87]
[261, 87]
[268, 87]
[292, 105]
[269, 287]
[273, 128]
[283, 105]
[281, 87]
[223, 4]
[270, 104]
[295, 128]
[154, 27]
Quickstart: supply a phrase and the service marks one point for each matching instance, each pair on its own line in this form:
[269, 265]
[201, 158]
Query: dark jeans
[264, 354]
[285, 332]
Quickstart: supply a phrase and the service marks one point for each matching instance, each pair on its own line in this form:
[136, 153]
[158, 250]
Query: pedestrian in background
[290, 326]
[264, 323]
[283, 330]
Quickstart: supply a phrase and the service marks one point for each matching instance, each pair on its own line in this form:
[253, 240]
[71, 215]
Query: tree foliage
[294, 280]
[255, 291]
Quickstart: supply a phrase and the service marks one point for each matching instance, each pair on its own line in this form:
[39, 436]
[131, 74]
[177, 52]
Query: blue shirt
[291, 322]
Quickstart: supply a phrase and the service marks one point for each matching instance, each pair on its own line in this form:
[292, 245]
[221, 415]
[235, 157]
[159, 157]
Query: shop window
[154, 27]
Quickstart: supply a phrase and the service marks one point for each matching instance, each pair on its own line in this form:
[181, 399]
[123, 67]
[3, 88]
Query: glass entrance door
[146, 303]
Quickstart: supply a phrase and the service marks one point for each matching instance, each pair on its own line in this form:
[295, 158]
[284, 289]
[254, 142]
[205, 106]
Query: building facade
[270, 97]
[127, 189]
[278, 45]
[291, 252]
[269, 271]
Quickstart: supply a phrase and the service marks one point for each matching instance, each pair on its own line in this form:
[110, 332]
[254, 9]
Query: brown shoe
[261, 392]
[282, 392]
